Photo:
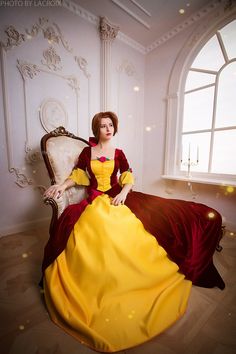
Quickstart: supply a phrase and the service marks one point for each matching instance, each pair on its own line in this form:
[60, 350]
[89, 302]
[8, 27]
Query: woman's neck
[104, 145]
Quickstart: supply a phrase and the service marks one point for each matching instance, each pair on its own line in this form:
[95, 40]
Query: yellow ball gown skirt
[113, 287]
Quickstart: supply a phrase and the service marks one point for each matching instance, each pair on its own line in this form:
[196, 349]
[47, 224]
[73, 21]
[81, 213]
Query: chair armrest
[54, 205]
[71, 196]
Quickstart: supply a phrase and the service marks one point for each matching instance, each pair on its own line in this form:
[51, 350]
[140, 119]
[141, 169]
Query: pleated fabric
[113, 287]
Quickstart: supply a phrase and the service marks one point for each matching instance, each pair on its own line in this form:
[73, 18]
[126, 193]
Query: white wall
[21, 202]
[142, 127]
[160, 64]
[128, 75]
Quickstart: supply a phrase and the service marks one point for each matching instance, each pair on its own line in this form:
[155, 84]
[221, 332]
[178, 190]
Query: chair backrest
[60, 150]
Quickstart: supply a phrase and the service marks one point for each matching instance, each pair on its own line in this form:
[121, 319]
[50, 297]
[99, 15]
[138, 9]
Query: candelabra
[190, 162]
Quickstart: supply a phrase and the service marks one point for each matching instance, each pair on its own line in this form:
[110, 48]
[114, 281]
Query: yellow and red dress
[111, 285]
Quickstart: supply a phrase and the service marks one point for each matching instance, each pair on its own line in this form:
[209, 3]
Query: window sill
[215, 182]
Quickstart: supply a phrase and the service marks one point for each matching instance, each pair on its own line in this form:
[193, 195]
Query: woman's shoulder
[119, 153]
[86, 150]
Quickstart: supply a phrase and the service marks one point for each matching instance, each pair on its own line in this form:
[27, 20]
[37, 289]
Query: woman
[109, 283]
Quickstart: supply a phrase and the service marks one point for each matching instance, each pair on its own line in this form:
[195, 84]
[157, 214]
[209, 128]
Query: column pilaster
[108, 33]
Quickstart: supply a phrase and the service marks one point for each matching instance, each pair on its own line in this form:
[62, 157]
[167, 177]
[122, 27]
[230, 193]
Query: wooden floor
[209, 325]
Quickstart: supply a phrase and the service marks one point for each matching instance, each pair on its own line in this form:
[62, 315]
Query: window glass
[228, 34]
[210, 57]
[224, 152]
[226, 97]
[209, 114]
[198, 109]
[196, 79]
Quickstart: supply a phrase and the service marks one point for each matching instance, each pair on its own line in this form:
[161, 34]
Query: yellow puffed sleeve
[126, 178]
[80, 177]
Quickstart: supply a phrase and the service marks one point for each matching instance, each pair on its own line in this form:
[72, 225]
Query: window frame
[175, 111]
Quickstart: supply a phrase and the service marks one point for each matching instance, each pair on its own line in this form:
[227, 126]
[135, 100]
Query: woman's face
[106, 129]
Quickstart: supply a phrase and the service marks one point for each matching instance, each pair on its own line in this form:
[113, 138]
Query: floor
[208, 327]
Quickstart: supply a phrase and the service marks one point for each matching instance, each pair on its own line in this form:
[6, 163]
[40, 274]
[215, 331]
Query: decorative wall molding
[127, 67]
[131, 13]
[185, 24]
[53, 35]
[88, 16]
[52, 59]
[58, 114]
[78, 10]
[141, 8]
[53, 114]
[82, 63]
[51, 32]
[131, 43]
[21, 180]
[14, 38]
[108, 33]
[33, 156]
[28, 71]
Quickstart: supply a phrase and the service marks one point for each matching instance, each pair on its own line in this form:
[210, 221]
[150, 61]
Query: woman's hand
[119, 198]
[55, 191]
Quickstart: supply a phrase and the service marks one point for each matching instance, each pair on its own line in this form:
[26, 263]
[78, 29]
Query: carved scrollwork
[73, 82]
[108, 31]
[52, 59]
[52, 114]
[62, 131]
[14, 38]
[32, 156]
[27, 70]
[63, 41]
[127, 67]
[21, 180]
[50, 32]
[82, 65]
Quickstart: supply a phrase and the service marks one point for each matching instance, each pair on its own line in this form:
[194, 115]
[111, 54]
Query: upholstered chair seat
[60, 150]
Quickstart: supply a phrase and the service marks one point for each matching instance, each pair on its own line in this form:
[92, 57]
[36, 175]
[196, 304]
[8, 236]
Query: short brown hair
[96, 122]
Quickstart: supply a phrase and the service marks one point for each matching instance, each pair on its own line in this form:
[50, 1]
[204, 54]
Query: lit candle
[189, 151]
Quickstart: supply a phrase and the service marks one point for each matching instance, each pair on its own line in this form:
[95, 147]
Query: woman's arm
[126, 179]
[57, 190]
[77, 176]
[121, 197]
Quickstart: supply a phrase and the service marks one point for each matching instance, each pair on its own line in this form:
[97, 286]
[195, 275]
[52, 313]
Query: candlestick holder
[189, 163]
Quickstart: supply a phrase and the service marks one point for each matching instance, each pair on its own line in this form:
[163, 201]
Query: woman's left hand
[119, 199]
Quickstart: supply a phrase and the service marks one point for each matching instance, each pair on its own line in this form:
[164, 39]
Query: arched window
[209, 114]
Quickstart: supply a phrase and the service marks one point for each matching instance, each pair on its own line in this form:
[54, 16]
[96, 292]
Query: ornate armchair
[60, 150]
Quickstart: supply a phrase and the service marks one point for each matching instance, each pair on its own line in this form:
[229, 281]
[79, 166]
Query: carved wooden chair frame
[60, 131]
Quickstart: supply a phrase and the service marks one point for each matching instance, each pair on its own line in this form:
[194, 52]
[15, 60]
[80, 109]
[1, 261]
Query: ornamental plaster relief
[108, 31]
[127, 67]
[27, 70]
[53, 114]
[52, 59]
[51, 111]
